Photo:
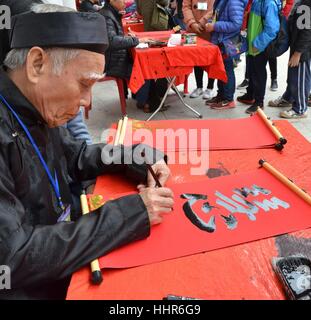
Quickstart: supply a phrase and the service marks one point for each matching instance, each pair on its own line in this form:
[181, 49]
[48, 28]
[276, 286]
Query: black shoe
[216, 99]
[148, 109]
[246, 99]
[253, 108]
[139, 106]
[243, 85]
[274, 85]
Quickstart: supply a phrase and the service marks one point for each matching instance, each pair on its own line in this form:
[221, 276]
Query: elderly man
[46, 76]
[76, 126]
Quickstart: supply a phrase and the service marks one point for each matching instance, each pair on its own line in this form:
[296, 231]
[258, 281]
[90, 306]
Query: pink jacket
[192, 14]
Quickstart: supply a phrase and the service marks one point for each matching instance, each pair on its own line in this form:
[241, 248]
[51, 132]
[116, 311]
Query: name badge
[202, 6]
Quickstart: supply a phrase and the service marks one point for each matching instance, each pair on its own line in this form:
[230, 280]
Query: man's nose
[85, 101]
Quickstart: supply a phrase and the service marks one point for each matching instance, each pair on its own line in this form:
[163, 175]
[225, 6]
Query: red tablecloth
[155, 63]
[135, 26]
[239, 272]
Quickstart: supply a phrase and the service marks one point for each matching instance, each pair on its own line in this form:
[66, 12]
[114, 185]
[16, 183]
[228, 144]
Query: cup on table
[174, 40]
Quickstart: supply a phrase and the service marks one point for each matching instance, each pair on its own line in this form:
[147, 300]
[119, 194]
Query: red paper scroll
[184, 135]
[235, 210]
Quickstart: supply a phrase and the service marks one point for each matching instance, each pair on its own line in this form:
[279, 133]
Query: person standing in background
[272, 61]
[263, 27]
[146, 8]
[226, 26]
[196, 15]
[299, 65]
[177, 13]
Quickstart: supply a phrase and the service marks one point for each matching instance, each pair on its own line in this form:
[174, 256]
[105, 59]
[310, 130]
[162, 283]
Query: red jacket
[246, 14]
[288, 7]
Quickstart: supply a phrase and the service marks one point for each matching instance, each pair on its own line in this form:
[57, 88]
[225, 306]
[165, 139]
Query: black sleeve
[86, 6]
[86, 162]
[46, 253]
[119, 42]
[303, 41]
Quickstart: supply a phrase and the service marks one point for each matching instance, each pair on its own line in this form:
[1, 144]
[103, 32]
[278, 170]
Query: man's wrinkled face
[59, 97]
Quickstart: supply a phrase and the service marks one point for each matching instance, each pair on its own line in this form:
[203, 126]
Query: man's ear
[36, 64]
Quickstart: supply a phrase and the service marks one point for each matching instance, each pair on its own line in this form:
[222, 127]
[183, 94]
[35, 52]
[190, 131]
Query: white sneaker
[279, 103]
[208, 94]
[196, 93]
[291, 114]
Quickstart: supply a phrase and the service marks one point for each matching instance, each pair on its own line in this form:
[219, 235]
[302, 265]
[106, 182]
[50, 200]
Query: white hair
[16, 58]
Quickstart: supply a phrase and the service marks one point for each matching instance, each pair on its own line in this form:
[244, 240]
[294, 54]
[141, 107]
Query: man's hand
[157, 202]
[203, 21]
[197, 28]
[162, 172]
[145, 40]
[294, 59]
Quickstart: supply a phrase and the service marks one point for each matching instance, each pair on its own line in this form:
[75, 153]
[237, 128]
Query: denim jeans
[142, 94]
[226, 90]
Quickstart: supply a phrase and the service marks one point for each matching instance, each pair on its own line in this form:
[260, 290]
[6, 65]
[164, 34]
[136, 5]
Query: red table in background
[238, 272]
[155, 63]
[174, 64]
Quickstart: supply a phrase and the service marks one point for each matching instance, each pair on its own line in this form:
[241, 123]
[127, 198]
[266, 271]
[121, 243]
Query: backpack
[159, 19]
[234, 46]
[280, 44]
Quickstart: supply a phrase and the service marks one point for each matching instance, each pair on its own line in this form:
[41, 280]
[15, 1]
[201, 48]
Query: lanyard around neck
[53, 181]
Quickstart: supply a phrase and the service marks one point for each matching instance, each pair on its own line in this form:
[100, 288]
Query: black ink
[197, 221]
[195, 196]
[207, 208]
[230, 221]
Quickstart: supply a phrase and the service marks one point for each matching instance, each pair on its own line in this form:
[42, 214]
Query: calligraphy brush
[158, 184]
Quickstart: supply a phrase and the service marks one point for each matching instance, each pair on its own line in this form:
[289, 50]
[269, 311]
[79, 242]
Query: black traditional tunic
[42, 253]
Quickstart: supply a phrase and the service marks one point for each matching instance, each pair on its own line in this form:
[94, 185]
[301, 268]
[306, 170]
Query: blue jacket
[229, 20]
[266, 11]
